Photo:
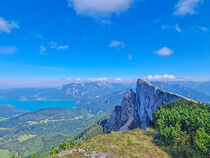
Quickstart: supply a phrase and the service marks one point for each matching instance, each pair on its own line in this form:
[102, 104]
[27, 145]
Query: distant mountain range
[22, 129]
[184, 91]
[203, 87]
[71, 91]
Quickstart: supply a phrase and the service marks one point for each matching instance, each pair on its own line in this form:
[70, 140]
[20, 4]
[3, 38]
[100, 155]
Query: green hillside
[180, 130]
[38, 131]
[135, 143]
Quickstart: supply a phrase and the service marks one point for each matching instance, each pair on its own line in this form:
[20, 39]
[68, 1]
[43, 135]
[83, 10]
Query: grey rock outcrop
[122, 114]
[136, 110]
[148, 98]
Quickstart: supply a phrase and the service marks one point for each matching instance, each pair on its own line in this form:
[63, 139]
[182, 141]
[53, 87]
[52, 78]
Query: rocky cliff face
[137, 109]
[148, 98]
[122, 114]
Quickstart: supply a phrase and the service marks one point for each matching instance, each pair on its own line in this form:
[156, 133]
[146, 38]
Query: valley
[29, 130]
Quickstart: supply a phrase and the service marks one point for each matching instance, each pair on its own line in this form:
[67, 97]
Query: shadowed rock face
[137, 109]
[122, 114]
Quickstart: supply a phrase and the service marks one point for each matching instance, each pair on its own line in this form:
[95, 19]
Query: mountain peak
[136, 109]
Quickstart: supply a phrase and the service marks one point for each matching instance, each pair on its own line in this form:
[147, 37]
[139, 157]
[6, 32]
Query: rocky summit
[137, 108]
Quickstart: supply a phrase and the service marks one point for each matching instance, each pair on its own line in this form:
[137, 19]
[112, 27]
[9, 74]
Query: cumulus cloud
[99, 8]
[7, 26]
[164, 51]
[8, 50]
[118, 44]
[160, 77]
[184, 7]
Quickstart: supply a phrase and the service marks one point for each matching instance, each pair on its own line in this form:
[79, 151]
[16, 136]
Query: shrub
[185, 125]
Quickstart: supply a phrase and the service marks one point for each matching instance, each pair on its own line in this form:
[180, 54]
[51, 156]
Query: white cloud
[37, 35]
[54, 45]
[177, 28]
[98, 79]
[7, 26]
[160, 77]
[130, 57]
[99, 8]
[164, 51]
[78, 79]
[42, 50]
[118, 79]
[202, 28]
[115, 44]
[184, 7]
[62, 47]
[104, 21]
[8, 50]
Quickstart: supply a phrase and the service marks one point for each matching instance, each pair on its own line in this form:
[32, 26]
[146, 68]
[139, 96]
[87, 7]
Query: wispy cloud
[99, 8]
[201, 28]
[35, 67]
[45, 67]
[8, 50]
[42, 50]
[130, 57]
[6, 26]
[164, 51]
[184, 7]
[37, 35]
[62, 47]
[167, 77]
[54, 45]
[98, 79]
[115, 44]
[176, 28]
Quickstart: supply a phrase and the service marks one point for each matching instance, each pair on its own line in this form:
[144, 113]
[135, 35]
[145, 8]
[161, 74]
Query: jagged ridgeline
[136, 109]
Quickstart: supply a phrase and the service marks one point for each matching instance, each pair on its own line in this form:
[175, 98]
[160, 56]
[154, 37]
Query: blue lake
[35, 105]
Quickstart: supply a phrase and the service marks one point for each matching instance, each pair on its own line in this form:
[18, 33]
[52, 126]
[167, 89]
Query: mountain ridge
[136, 109]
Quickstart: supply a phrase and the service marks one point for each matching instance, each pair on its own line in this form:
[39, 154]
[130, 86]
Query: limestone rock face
[148, 98]
[122, 114]
[136, 109]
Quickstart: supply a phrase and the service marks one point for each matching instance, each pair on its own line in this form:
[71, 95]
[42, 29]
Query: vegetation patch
[4, 129]
[4, 154]
[2, 118]
[184, 126]
[135, 143]
[25, 137]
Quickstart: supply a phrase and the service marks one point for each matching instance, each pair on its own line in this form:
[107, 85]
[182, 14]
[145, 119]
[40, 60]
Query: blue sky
[99, 39]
